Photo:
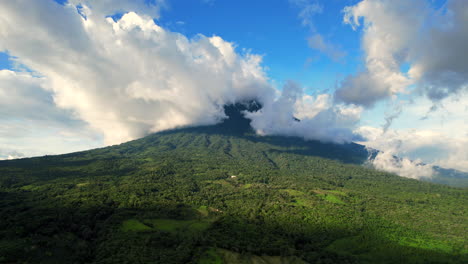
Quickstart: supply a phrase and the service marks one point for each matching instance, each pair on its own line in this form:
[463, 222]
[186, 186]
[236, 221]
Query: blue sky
[374, 69]
[5, 62]
[275, 31]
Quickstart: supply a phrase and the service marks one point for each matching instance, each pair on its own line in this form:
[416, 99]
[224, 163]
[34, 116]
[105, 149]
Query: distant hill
[221, 194]
[450, 177]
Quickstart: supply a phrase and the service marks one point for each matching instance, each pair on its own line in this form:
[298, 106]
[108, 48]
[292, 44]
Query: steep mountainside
[221, 194]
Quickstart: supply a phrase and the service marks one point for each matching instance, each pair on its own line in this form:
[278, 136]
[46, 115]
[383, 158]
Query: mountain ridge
[204, 195]
[235, 123]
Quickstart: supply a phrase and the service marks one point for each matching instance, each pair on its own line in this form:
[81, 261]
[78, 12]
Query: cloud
[316, 41]
[319, 119]
[390, 116]
[367, 88]
[24, 97]
[111, 7]
[10, 154]
[399, 33]
[31, 124]
[129, 77]
[386, 161]
[441, 66]
[308, 9]
[439, 140]
[393, 153]
[415, 147]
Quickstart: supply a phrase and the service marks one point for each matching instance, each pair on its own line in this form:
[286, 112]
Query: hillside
[450, 177]
[221, 194]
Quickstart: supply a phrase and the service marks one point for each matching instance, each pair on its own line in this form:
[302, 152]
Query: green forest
[215, 194]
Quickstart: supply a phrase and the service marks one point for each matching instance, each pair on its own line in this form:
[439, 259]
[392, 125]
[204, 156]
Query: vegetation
[217, 195]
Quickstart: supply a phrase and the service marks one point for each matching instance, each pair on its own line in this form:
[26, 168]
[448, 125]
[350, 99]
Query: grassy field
[168, 225]
[134, 225]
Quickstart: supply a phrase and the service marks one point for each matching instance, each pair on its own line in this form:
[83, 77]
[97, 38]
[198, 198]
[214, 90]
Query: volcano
[222, 194]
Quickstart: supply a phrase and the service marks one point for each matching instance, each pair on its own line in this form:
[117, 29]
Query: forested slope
[221, 195]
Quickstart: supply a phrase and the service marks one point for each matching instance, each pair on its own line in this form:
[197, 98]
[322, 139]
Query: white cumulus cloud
[416, 147]
[319, 118]
[31, 124]
[404, 167]
[401, 34]
[129, 77]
